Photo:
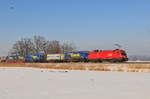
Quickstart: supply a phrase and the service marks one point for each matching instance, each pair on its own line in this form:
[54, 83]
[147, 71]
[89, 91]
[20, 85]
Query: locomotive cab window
[123, 53]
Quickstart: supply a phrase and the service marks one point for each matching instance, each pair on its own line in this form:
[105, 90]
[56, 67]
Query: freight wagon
[35, 58]
[2, 59]
[55, 57]
[76, 56]
[23, 59]
[15, 59]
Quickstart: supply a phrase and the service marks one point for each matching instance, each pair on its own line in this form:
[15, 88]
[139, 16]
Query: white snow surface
[31, 83]
[140, 61]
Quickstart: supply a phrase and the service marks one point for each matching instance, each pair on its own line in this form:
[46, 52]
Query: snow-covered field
[139, 61]
[30, 83]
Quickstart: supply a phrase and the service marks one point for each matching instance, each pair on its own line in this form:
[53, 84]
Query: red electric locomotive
[117, 55]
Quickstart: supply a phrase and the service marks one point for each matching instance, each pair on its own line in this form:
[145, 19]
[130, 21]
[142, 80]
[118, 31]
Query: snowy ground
[29, 83]
[138, 61]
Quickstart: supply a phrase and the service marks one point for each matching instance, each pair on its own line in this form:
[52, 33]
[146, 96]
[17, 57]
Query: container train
[116, 55]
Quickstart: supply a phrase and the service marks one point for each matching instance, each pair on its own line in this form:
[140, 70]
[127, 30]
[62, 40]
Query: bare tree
[23, 47]
[39, 44]
[66, 46]
[28, 46]
[45, 47]
[54, 47]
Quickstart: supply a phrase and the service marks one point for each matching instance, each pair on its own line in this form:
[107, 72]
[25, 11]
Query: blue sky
[90, 24]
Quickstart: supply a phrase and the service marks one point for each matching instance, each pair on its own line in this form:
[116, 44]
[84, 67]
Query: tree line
[39, 44]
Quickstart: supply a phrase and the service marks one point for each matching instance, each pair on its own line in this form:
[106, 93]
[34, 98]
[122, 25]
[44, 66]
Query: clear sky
[90, 24]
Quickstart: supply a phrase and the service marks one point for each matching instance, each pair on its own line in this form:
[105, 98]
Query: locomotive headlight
[109, 54]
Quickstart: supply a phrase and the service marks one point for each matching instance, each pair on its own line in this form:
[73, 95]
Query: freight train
[116, 55]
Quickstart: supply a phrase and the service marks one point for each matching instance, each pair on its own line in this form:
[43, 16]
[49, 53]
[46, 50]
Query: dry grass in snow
[117, 67]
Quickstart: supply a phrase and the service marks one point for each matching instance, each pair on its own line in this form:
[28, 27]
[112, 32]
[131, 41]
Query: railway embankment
[114, 67]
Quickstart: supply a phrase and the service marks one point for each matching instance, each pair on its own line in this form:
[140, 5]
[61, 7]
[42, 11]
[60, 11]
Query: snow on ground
[30, 83]
[140, 61]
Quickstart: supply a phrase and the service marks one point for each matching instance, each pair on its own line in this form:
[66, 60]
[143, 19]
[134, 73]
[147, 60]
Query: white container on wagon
[55, 57]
